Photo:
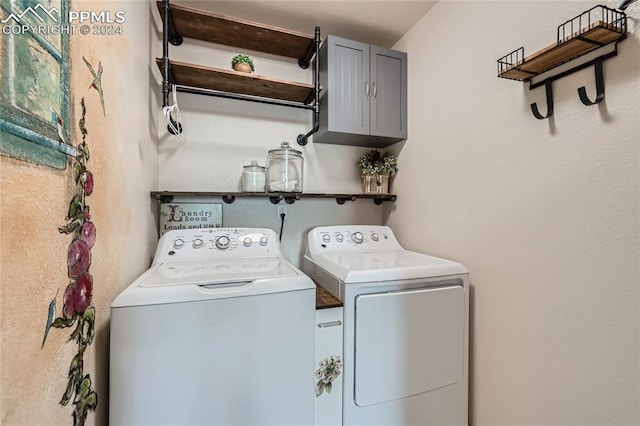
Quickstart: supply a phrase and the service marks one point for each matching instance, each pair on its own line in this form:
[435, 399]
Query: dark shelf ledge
[274, 197]
[211, 27]
[198, 76]
[326, 300]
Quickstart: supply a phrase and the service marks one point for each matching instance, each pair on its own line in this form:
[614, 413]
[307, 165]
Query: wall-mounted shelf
[274, 197]
[229, 81]
[211, 27]
[181, 21]
[594, 36]
[587, 32]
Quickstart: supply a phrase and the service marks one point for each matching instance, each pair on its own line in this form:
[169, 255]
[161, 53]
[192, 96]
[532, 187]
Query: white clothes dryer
[218, 331]
[406, 319]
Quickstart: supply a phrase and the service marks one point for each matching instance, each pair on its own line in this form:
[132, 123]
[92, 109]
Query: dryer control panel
[216, 243]
[326, 239]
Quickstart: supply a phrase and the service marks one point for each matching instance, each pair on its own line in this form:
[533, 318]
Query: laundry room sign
[189, 216]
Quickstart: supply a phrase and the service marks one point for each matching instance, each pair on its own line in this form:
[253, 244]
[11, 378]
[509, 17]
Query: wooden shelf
[577, 44]
[211, 27]
[274, 197]
[198, 76]
[324, 299]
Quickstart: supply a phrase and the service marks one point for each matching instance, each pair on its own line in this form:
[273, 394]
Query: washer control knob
[197, 243]
[339, 238]
[178, 243]
[326, 238]
[357, 237]
[247, 242]
[374, 237]
[223, 242]
[264, 241]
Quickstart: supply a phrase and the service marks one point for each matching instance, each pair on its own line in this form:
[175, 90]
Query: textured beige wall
[34, 203]
[545, 214]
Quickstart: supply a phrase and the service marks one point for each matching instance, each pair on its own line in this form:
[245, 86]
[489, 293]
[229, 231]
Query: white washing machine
[405, 327]
[219, 331]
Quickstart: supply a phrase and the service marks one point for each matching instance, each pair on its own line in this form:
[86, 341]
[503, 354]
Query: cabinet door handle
[366, 89]
[329, 324]
[375, 91]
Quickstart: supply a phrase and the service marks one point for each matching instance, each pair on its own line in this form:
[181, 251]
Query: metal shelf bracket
[582, 91]
[549, 94]
[303, 139]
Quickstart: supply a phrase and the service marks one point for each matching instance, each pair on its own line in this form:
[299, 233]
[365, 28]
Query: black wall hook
[582, 91]
[534, 106]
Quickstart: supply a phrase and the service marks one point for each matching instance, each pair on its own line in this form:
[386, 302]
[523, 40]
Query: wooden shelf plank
[324, 299]
[211, 27]
[199, 76]
[573, 46]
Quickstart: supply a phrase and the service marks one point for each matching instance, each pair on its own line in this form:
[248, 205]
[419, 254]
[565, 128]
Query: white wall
[545, 214]
[222, 135]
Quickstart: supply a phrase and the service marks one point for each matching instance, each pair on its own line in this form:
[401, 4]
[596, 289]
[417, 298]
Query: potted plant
[242, 63]
[376, 169]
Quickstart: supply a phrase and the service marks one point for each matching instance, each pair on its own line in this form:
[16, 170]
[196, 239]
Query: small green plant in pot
[242, 63]
[376, 168]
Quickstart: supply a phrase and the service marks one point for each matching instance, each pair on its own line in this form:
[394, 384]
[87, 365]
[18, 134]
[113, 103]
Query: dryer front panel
[408, 342]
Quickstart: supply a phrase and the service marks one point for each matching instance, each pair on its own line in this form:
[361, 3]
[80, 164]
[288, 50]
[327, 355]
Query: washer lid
[372, 266]
[193, 281]
[216, 272]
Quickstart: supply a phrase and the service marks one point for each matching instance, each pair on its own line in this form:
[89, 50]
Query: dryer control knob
[374, 237]
[339, 238]
[326, 238]
[197, 243]
[247, 242]
[223, 242]
[264, 241]
[178, 243]
[357, 237]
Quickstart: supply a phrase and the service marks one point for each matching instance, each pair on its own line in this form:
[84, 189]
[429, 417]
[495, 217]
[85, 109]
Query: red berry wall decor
[78, 311]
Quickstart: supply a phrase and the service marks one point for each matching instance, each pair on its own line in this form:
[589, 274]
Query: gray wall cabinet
[363, 100]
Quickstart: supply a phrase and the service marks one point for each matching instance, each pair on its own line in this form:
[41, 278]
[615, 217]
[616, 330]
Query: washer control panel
[215, 243]
[351, 237]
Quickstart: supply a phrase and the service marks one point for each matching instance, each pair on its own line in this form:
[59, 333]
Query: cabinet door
[388, 93]
[328, 402]
[348, 61]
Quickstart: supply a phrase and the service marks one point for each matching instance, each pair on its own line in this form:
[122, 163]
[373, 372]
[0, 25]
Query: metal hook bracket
[534, 106]
[582, 91]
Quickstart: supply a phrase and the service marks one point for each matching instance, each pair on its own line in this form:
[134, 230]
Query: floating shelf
[190, 75]
[274, 197]
[596, 28]
[211, 27]
[596, 35]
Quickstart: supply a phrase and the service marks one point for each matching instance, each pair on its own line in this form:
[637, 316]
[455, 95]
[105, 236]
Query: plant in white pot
[376, 169]
[242, 63]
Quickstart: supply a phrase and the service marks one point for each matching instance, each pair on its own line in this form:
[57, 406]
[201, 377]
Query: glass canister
[253, 177]
[284, 169]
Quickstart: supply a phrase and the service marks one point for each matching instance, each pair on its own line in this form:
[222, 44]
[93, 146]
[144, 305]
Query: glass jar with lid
[284, 169]
[253, 177]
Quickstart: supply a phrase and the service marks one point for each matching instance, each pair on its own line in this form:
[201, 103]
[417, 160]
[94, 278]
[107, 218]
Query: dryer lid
[216, 272]
[374, 266]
